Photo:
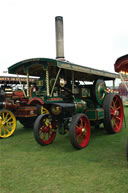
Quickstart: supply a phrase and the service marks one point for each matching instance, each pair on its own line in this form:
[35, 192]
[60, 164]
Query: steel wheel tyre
[127, 149]
[7, 123]
[80, 131]
[44, 130]
[113, 113]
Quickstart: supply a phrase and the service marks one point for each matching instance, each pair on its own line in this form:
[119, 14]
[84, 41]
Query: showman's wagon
[121, 66]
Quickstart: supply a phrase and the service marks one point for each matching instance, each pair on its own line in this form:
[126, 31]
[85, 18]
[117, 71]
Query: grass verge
[27, 167]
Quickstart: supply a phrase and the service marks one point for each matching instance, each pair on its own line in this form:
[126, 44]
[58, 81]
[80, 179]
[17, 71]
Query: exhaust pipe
[59, 38]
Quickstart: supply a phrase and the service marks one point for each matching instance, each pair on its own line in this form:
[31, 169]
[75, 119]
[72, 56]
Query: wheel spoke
[81, 123]
[83, 137]
[84, 123]
[117, 108]
[112, 108]
[6, 129]
[9, 119]
[115, 101]
[113, 121]
[113, 105]
[118, 118]
[44, 135]
[4, 132]
[116, 126]
[78, 129]
[50, 133]
[3, 115]
[77, 138]
[10, 123]
[6, 117]
[112, 113]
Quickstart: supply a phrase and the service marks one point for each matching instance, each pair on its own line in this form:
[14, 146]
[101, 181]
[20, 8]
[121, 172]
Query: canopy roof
[14, 80]
[121, 64]
[38, 66]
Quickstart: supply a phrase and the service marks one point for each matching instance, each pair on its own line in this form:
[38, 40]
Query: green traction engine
[64, 97]
[79, 107]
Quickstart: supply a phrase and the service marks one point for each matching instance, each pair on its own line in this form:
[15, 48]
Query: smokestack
[59, 38]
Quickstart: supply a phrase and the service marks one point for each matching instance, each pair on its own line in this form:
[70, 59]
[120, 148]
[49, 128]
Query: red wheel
[80, 131]
[44, 130]
[113, 113]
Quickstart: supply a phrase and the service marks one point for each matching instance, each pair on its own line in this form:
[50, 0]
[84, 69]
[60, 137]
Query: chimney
[59, 38]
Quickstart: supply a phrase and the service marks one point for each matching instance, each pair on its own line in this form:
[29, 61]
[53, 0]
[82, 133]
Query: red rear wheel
[113, 113]
[44, 130]
[80, 131]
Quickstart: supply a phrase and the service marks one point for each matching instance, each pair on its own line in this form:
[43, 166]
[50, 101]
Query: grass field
[26, 167]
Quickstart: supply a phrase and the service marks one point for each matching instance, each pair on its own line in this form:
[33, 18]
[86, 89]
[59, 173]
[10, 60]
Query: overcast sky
[95, 31]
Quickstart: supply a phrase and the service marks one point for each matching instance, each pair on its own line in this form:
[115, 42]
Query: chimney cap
[58, 18]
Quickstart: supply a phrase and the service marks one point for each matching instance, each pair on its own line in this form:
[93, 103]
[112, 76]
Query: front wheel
[7, 123]
[79, 131]
[44, 130]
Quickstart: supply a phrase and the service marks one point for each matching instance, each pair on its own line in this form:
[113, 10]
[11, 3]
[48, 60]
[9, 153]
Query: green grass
[27, 167]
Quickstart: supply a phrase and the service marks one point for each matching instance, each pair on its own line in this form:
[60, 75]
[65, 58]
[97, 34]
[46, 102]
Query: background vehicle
[12, 99]
[121, 66]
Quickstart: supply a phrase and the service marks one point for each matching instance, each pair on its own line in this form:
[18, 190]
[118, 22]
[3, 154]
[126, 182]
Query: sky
[95, 31]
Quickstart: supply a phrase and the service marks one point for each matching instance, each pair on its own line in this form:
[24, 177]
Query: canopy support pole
[27, 84]
[73, 83]
[21, 85]
[55, 81]
[47, 82]
[122, 79]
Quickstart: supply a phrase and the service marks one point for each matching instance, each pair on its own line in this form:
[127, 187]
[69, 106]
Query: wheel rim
[7, 124]
[82, 132]
[116, 112]
[47, 131]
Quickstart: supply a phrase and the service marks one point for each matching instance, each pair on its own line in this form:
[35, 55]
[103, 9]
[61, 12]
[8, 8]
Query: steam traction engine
[65, 97]
[12, 100]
